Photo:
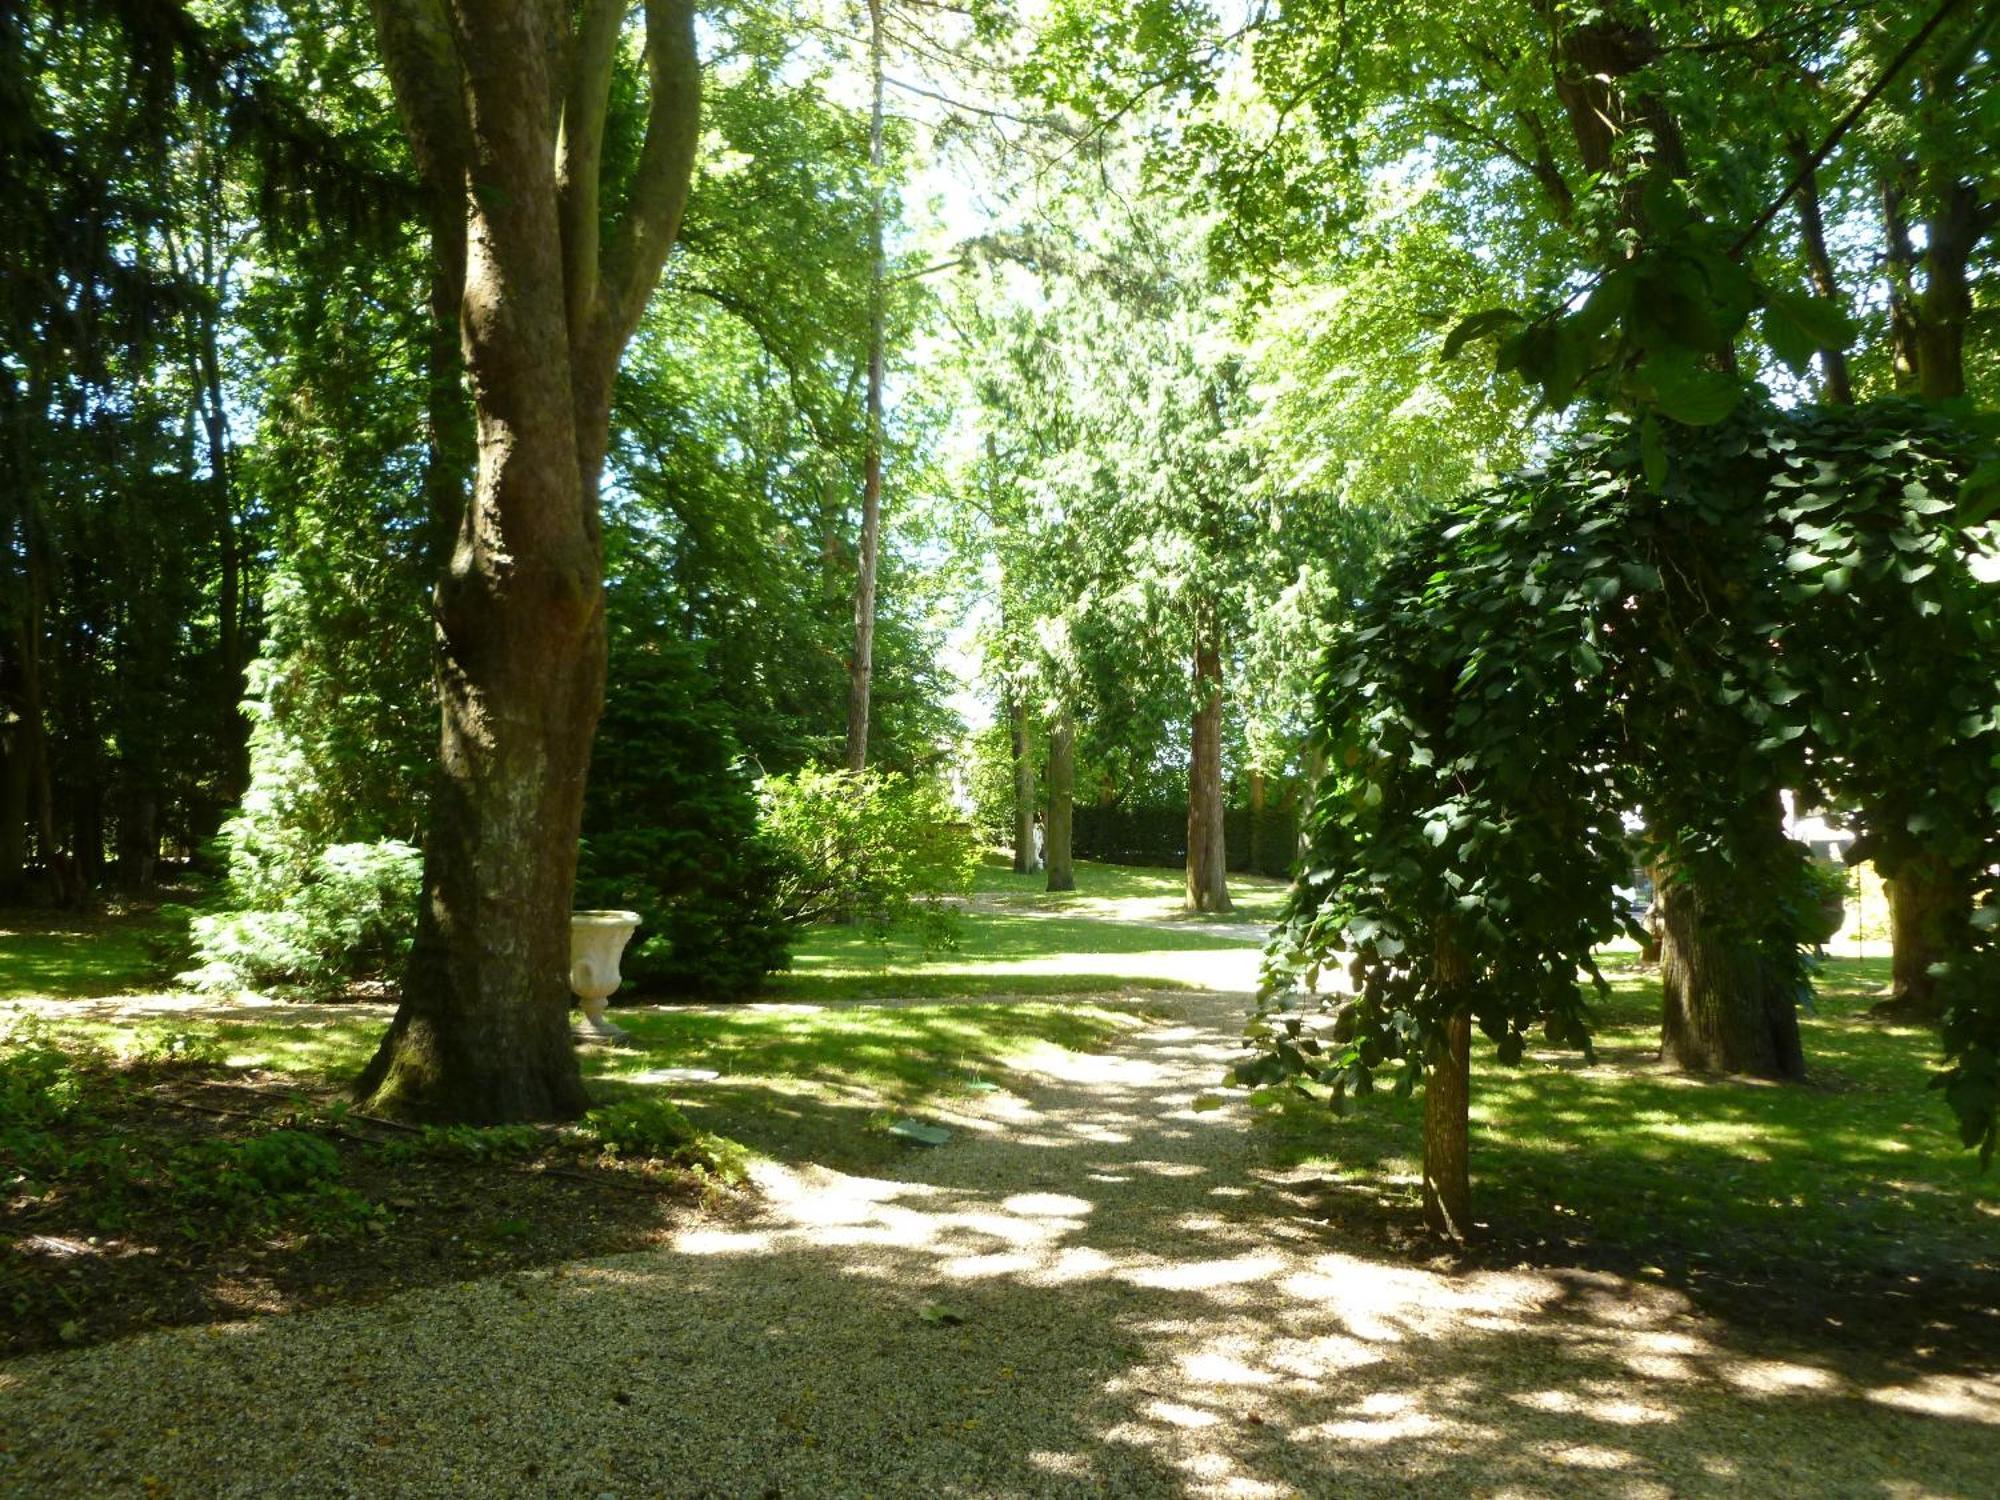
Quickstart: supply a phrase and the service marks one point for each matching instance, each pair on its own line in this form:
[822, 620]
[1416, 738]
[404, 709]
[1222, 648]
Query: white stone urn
[596, 938]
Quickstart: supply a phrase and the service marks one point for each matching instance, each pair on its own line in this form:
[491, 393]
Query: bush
[868, 845]
[353, 916]
[670, 830]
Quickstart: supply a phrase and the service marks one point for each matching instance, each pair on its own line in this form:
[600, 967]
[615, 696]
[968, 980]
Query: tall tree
[506, 104]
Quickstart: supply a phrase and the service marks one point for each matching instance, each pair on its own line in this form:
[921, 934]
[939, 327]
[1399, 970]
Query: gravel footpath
[1091, 1290]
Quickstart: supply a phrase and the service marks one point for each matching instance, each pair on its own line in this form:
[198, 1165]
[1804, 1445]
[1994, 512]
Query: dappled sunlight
[1171, 1305]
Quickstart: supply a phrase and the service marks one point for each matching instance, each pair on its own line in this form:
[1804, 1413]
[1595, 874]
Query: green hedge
[1156, 834]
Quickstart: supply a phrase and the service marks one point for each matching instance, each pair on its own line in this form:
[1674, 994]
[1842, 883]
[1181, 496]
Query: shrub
[869, 845]
[670, 830]
[353, 916]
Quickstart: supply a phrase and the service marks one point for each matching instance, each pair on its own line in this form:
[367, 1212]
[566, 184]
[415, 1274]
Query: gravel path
[1091, 1290]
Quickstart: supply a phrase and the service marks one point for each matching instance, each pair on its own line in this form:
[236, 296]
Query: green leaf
[1652, 451]
[1818, 319]
[1691, 395]
[1979, 496]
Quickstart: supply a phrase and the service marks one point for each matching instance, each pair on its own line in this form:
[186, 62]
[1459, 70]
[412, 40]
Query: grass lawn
[1121, 928]
[1852, 1184]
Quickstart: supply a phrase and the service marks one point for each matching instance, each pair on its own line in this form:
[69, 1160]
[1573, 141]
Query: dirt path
[1092, 1289]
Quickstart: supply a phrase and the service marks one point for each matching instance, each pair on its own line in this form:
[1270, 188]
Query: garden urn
[596, 938]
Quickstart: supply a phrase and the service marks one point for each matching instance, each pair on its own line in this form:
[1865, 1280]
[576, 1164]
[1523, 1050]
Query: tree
[506, 104]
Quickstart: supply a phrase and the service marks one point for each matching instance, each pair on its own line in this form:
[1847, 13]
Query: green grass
[49, 953]
[1122, 928]
[1857, 1171]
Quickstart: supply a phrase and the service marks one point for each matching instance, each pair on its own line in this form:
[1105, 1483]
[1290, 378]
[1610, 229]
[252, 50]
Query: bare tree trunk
[1724, 1011]
[1929, 904]
[1062, 801]
[861, 671]
[1447, 1106]
[1207, 854]
[505, 105]
[1024, 784]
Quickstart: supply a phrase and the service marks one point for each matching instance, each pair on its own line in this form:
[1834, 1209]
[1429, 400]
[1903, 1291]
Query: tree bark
[1812, 234]
[1929, 904]
[1062, 801]
[1724, 1012]
[1447, 1105]
[1024, 784]
[505, 111]
[861, 671]
[1207, 854]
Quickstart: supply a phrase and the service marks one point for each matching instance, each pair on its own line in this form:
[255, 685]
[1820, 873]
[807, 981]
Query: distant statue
[1039, 836]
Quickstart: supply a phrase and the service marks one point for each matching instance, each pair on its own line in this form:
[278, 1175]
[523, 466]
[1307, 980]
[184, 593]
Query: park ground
[966, 1223]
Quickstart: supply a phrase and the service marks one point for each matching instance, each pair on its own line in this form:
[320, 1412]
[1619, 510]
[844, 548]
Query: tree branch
[652, 217]
[579, 161]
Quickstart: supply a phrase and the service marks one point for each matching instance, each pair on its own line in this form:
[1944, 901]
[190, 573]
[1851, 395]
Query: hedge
[1264, 842]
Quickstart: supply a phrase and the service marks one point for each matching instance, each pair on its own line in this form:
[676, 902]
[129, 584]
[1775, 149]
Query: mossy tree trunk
[505, 103]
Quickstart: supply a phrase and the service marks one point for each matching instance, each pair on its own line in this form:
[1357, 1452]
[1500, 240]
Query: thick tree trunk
[1062, 801]
[1447, 1107]
[1207, 854]
[1929, 904]
[483, 1034]
[861, 670]
[1024, 785]
[1725, 1012]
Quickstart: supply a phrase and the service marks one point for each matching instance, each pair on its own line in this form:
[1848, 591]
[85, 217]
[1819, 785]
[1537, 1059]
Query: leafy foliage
[352, 915]
[877, 846]
[1578, 644]
[670, 829]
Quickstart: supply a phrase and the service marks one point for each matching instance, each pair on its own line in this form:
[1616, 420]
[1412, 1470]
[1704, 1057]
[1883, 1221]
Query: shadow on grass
[1843, 1200]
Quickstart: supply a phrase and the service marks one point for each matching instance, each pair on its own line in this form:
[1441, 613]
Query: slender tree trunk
[1062, 801]
[1724, 1011]
[1812, 234]
[1207, 854]
[1447, 1106]
[1898, 267]
[15, 780]
[1257, 800]
[1929, 907]
[505, 109]
[861, 671]
[1024, 784]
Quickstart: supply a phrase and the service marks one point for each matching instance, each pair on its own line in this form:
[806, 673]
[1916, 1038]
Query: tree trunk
[15, 780]
[1062, 801]
[1928, 908]
[1812, 234]
[505, 110]
[1724, 1010]
[861, 671]
[1024, 785]
[1207, 854]
[1447, 1106]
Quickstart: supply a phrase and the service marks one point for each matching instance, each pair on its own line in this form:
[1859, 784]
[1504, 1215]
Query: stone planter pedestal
[596, 939]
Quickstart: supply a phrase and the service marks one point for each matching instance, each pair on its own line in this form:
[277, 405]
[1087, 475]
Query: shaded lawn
[1853, 1182]
[74, 954]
